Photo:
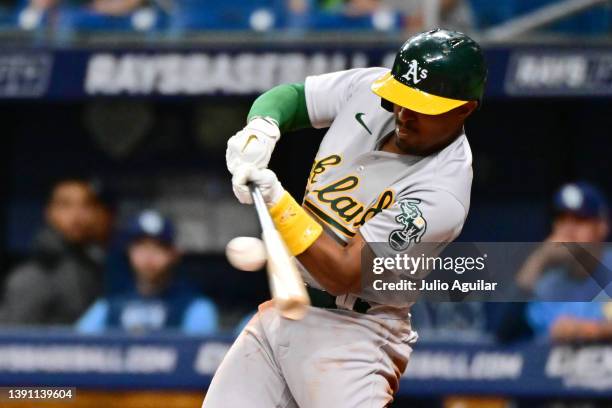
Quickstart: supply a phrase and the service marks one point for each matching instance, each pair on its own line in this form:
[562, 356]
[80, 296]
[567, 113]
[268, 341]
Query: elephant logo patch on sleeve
[413, 224]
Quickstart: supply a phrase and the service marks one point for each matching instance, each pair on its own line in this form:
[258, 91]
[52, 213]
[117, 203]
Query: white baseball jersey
[398, 199]
[334, 357]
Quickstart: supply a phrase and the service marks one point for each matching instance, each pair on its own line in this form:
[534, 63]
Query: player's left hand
[252, 145]
[271, 189]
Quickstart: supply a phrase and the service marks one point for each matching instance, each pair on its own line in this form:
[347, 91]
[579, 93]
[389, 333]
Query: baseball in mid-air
[246, 253]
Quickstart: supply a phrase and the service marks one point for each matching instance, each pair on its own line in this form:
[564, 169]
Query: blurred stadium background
[132, 101]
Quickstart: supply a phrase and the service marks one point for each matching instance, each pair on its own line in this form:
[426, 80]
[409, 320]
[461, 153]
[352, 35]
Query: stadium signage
[210, 356]
[242, 69]
[201, 73]
[24, 75]
[585, 367]
[172, 361]
[462, 366]
[81, 358]
[568, 73]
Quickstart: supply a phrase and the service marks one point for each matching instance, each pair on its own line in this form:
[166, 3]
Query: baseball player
[395, 167]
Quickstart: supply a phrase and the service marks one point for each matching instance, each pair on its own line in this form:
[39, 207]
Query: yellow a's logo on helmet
[433, 73]
[415, 74]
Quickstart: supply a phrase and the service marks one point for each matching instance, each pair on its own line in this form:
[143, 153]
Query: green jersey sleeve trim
[284, 103]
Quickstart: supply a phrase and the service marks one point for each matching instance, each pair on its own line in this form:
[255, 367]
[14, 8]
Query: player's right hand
[252, 145]
[271, 189]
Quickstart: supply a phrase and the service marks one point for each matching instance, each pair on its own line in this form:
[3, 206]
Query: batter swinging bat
[286, 284]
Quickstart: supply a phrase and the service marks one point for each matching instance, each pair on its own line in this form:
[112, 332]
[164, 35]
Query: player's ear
[467, 109]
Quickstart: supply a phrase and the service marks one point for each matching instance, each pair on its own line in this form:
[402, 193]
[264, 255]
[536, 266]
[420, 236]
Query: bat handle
[286, 284]
[260, 207]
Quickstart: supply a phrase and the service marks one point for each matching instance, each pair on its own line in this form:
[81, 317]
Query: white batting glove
[252, 145]
[271, 189]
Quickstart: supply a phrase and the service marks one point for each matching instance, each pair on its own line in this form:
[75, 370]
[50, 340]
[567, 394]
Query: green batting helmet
[435, 72]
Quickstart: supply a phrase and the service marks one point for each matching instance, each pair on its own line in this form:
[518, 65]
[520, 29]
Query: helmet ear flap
[386, 105]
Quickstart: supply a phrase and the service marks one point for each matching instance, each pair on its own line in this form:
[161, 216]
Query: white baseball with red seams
[246, 253]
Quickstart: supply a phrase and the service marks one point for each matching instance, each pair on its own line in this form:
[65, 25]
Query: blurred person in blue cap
[581, 214]
[159, 300]
[569, 274]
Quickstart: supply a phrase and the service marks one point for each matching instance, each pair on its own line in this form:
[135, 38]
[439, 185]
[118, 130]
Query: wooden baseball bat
[286, 284]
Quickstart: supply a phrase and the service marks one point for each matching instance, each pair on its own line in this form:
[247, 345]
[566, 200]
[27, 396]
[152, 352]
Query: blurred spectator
[456, 321]
[120, 15]
[362, 7]
[115, 7]
[37, 13]
[342, 15]
[159, 300]
[454, 14]
[63, 275]
[581, 216]
[348, 7]
[297, 6]
[69, 15]
[569, 280]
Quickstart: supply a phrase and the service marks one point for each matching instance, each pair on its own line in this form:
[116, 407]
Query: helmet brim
[389, 88]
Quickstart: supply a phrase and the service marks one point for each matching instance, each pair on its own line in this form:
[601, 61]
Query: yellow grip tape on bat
[297, 228]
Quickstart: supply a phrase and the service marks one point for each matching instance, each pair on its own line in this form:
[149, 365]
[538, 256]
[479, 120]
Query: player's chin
[406, 138]
[411, 146]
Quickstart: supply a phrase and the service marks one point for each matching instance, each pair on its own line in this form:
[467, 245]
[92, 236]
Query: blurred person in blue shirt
[568, 279]
[158, 301]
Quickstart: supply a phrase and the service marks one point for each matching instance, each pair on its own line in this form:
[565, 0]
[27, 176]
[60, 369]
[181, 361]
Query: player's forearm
[286, 104]
[336, 268]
